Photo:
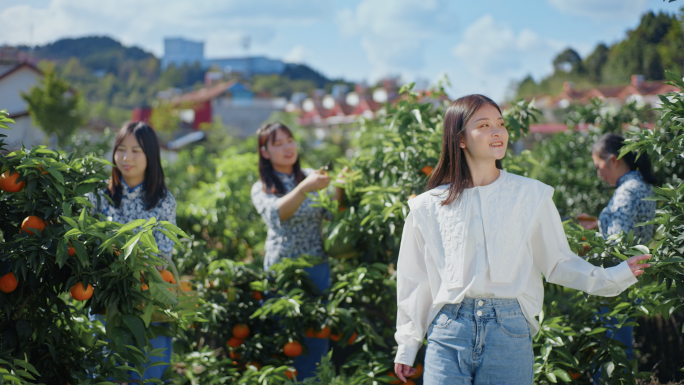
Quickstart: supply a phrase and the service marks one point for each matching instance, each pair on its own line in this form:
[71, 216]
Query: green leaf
[131, 225]
[171, 227]
[563, 375]
[147, 313]
[161, 293]
[135, 324]
[551, 377]
[130, 245]
[597, 330]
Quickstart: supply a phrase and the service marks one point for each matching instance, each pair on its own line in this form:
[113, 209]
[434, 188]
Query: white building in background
[178, 51]
[16, 78]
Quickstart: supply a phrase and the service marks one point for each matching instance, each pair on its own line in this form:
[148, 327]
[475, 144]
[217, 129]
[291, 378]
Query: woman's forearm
[290, 202]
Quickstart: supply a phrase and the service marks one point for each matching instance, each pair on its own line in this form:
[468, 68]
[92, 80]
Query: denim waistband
[484, 308]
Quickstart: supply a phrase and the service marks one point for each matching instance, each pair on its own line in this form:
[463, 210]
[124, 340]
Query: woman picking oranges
[473, 252]
[138, 191]
[293, 223]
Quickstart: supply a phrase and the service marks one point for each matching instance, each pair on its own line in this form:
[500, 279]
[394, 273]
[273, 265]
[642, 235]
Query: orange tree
[52, 247]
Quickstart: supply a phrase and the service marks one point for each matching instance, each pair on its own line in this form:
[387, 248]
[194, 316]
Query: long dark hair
[154, 187]
[267, 134]
[452, 167]
[610, 144]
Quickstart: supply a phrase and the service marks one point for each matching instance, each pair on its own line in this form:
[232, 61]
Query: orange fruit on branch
[352, 338]
[72, 251]
[8, 182]
[167, 276]
[187, 286]
[8, 283]
[79, 293]
[419, 371]
[324, 333]
[291, 373]
[257, 295]
[310, 333]
[234, 356]
[234, 342]
[427, 170]
[241, 331]
[397, 381]
[574, 375]
[292, 349]
[336, 337]
[32, 222]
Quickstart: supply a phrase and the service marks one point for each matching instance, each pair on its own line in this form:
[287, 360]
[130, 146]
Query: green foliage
[657, 44]
[53, 107]
[42, 330]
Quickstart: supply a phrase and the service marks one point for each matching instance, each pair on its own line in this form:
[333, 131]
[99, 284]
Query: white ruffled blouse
[496, 241]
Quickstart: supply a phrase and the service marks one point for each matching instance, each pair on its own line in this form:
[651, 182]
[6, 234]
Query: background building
[178, 51]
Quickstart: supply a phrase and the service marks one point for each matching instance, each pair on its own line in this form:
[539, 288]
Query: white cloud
[491, 48]
[602, 9]
[298, 54]
[221, 23]
[394, 34]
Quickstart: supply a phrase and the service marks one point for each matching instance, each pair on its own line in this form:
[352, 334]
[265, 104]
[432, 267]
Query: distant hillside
[93, 52]
[655, 45]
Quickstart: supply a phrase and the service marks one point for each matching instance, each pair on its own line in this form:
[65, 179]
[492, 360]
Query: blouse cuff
[623, 276]
[406, 354]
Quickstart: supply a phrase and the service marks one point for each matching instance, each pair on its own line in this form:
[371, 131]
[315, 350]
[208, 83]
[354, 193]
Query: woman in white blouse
[473, 251]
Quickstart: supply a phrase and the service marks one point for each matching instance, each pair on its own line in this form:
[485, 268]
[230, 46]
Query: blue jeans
[306, 365]
[479, 341]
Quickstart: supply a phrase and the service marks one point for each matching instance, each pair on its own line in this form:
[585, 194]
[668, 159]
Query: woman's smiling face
[130, 159]
[282, 151]
[485, 136]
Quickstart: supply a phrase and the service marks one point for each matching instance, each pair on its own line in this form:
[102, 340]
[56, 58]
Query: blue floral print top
[133, 207]
[299, 234]
[627, 208]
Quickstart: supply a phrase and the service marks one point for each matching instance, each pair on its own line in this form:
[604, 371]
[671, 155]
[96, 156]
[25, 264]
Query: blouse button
[479, 313]
[480, 303]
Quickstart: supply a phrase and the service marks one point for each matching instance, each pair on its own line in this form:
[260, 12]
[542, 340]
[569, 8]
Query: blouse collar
[285, 177]
[628, 176]
[131, 192]
[497, 181]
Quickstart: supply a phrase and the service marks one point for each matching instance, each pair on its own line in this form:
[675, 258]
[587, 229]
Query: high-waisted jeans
[479, 341]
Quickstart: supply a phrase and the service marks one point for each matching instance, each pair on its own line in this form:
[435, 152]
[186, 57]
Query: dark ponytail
[610, 144]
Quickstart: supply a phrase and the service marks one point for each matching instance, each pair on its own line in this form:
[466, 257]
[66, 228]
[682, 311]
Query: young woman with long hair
[473, 251]
[293, 223]
[138, 191]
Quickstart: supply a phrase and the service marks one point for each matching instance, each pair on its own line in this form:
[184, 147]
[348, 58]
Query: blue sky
[482, 46]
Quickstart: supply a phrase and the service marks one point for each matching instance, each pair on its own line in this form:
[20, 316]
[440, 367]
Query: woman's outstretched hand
[637, 268]
[403, 371]
[317, 180]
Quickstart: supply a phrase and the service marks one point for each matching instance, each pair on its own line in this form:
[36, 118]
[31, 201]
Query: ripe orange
[292, 349]
[187, 286]
[419, 371]
[310, 333]
[32, 222]
[336, 337]
[291, 373]
[8, 283]
[8, 182]
[574, 375]
[241, 331]
[40, 168]
[79, 293]
[352, 338]
[234, 356]
[234, 342]
[72, 251]
[397, 381]
[324, 333]
[409, 382]
[257, 295]
[427, 170]
[255, 364]
[167, 276]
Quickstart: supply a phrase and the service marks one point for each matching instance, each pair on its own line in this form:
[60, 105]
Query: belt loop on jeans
[499, 318]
